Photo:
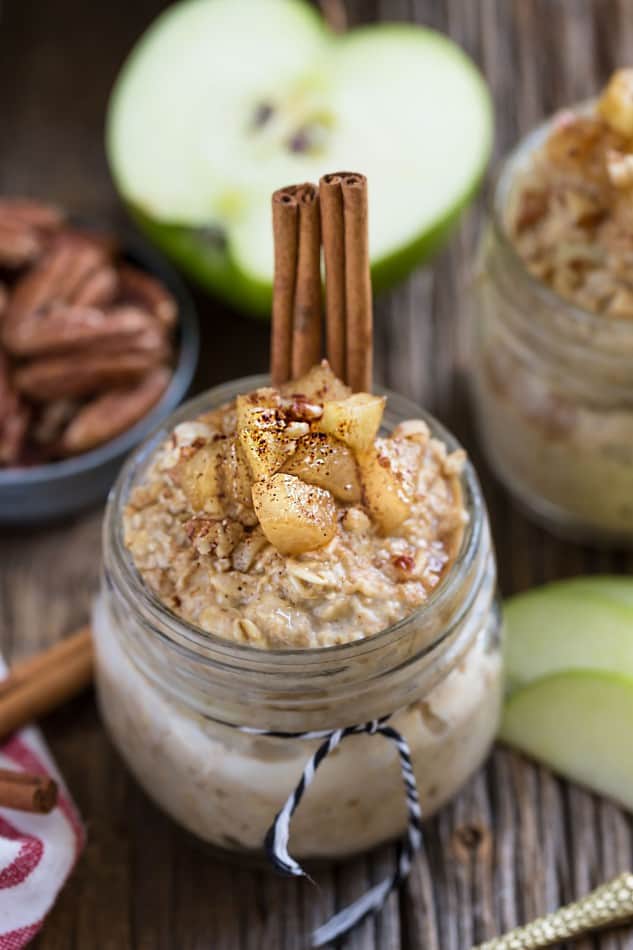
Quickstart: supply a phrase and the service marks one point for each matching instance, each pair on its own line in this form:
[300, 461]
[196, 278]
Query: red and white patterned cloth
[37, 852]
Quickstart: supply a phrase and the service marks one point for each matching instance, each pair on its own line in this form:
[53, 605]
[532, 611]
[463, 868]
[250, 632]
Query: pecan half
[72, 375]
[113, 412]
[143, 289]
[85, 254]
[14, 418]
[60, 272]
[98, 289]
[63, 328]
[25, 230]
[54, 418]
[38, 215]
[19, 245]
[151, 341]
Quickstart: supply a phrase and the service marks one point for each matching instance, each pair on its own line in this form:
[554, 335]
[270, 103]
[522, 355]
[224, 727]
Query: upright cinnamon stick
[307, 330]
[333, 232]
[286, 242]
[301, 213]
[358, 302]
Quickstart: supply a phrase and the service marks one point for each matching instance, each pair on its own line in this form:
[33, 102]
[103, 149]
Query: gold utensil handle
[609, 905]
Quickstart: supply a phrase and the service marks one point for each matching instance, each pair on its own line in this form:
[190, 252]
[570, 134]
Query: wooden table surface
[517, 842]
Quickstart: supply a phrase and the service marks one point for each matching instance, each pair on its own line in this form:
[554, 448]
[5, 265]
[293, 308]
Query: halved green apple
[583, 623]
[223, 101]
[580, 724]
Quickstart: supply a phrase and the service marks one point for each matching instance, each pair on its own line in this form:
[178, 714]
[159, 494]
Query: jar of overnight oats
[177, 697]
[552, 374]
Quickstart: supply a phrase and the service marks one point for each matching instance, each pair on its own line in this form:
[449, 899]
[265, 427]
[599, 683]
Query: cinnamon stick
[307, 329]
[358, 302]
[286, 244]
[333, 231]
[26, 792]
[40, 684]
[61, 651]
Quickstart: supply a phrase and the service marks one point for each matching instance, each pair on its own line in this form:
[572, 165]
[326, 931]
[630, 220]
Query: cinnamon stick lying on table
[26, 792]
[39, 684]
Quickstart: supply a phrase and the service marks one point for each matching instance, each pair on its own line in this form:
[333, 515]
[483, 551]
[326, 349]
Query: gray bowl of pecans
[97, 343]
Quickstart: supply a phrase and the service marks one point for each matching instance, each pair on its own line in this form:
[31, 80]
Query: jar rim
[503, 178]
[213, 648]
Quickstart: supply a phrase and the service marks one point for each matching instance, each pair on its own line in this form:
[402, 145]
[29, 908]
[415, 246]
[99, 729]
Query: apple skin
[578, 723]
[207, 261]
[212, 265]
[214, 269]
[582, 623]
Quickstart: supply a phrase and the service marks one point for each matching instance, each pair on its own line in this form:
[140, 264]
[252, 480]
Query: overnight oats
[295, 559]
[553, 375]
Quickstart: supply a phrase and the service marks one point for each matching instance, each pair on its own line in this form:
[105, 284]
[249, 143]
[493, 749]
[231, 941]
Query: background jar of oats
[552, 386]
[174, 697]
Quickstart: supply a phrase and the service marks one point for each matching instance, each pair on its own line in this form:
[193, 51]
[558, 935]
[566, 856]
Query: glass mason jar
[174, 697]
[552, 386]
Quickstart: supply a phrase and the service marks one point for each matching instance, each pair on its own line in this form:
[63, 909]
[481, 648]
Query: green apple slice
[223, 101]
[584, 623]
[580, 724]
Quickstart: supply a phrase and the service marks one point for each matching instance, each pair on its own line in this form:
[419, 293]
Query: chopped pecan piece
[214, 536]
[113, 412]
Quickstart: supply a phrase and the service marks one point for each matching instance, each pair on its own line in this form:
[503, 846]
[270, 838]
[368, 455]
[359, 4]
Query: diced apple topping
[321, 460]
[261, 430]
[353, 421]
[616, 102]
[319, 385]
[288, 457]
[200, 477]
[388, 472]
[237, 484]
[294, 516]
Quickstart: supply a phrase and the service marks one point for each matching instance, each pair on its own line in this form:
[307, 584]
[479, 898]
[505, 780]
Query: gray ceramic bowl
[48, 492]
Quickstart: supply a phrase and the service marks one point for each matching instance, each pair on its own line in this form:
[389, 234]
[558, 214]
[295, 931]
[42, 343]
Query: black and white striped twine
[276, 842]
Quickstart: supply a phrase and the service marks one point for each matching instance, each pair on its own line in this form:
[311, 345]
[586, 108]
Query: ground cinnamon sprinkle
[224, 575]
[571, 218]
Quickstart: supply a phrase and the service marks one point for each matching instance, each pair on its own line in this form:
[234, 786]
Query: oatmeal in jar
[292, 560]
[553, 376]
[282, 520]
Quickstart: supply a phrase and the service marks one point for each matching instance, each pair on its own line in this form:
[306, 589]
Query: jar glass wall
[552, 386]
[174, 698]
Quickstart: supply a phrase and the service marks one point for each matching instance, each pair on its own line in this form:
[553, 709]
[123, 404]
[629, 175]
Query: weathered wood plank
[517, 841]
